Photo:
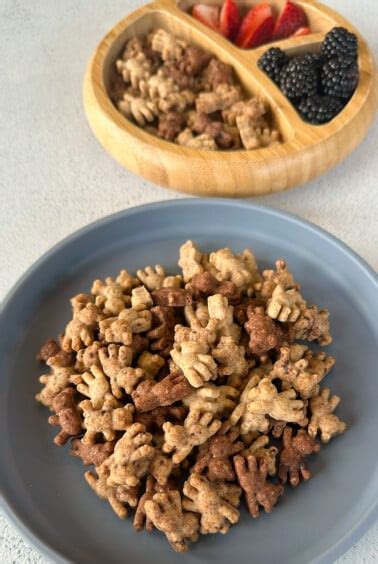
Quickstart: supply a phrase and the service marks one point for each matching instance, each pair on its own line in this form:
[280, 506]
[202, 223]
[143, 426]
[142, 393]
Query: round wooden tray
[307, 150]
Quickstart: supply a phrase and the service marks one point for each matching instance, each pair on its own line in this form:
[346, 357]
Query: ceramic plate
[43, 487]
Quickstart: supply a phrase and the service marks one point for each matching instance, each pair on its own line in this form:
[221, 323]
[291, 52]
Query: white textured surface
[55, 178]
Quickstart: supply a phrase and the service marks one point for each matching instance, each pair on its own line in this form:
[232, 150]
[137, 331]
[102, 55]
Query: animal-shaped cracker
[132, 456]
[214, 399]
[241, 269]
[323, 420]
[196, 364]
[67, 416]
[292, 461]
[94, 385]
[107, 422]
[230, 357]
[135, 69]
[215, 456]
[91, 454]
[190, 260]
[264, 334]
[216, 503]
[163, 329]
[114, 358]
[167, 45]
[304, 374]
[148, 395]
[223, 313]
[109, 296]
[313, 325]
[272, 278]
[166, 513]
[152, 487]
[181, 439]
[119, 497]
[53, 383]
[263, 400]
[150, 363]
[222, 98]
[252, 476]
[143, 111]
[285, 305]
[260, 450]
[152, 277]
[126, 380]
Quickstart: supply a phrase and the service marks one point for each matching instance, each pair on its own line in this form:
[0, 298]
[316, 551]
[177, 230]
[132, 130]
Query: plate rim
[44, 547]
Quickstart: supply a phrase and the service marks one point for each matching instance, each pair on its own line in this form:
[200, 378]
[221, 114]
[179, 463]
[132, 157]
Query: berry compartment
[318, 20]
[319, 80]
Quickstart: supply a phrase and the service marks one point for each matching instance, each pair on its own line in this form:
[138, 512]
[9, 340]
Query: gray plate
[43, 487]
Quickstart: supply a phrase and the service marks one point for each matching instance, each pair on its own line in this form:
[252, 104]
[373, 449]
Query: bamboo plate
[307, 150]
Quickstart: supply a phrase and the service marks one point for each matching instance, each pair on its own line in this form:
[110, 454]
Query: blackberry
[319, 109]
[339, 77]
[272, 63]
[339, 42]
[317, 59]
[300, 77]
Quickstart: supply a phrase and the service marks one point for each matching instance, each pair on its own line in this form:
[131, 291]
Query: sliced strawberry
[301, 32]
[229, 19]
[291, 18]
[256, 27]
[208, 15]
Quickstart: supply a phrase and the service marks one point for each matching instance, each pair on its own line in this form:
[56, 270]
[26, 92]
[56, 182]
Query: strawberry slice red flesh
[256, 27]
[302, 31]
[207, 15]
[229, 21]
[291, 18]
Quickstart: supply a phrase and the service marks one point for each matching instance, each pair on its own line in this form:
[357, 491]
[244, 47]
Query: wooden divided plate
[306, 151]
